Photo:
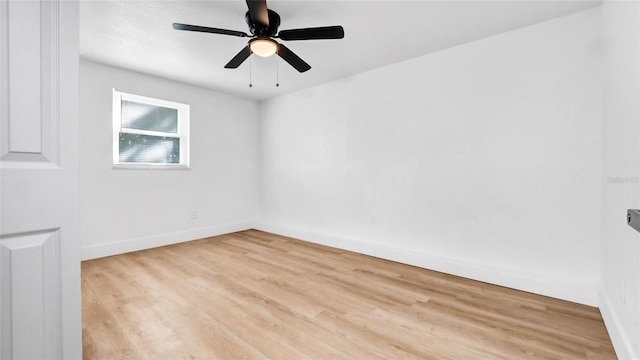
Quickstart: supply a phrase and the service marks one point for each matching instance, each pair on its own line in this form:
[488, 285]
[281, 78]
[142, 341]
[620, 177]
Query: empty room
[320, 179]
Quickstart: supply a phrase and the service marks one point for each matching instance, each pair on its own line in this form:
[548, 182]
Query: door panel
[40, 315]
[31, 268]
[30, 108]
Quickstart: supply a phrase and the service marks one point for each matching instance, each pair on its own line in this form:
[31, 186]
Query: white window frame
[183, 131]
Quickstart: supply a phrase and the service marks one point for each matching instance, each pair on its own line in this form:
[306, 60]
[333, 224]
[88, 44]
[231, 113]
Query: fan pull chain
[277, 73]
[250, 72]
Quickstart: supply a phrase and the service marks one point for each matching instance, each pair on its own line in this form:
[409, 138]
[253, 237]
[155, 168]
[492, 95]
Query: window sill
[150, 167]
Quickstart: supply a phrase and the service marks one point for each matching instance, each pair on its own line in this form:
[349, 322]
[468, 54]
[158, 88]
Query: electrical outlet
[372, 219]
[194, 214]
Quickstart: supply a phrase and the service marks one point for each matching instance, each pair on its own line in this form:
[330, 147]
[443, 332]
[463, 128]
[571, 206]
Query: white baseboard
[619, 338]
[582, 293]
[558, 288]
[129, 245]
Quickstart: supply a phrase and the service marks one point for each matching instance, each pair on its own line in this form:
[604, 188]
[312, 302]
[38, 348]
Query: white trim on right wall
[618, 336]
[565, 289]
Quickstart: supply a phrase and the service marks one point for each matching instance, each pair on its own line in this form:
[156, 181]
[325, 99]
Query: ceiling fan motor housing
[258, 29]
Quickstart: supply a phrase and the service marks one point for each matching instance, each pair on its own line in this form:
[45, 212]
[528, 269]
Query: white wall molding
[129, 245]
[618, 336]
[583, 293]
[558, 288]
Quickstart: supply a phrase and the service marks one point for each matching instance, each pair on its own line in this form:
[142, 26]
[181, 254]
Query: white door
[40, 308]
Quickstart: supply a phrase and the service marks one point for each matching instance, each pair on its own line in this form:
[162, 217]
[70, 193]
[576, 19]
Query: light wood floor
[255, 295]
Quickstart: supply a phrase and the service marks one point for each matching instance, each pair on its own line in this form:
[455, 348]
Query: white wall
[126, 210]
[483, 160]
[620, 287]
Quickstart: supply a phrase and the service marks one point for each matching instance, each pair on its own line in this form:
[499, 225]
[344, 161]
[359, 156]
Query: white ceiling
[138, 35]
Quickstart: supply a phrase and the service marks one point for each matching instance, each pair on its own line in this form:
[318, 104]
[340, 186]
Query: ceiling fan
[263, 25]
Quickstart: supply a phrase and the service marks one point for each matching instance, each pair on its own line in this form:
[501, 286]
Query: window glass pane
[136, 148]
[149, 117]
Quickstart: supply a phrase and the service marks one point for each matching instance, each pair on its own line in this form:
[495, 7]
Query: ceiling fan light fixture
[263, 47]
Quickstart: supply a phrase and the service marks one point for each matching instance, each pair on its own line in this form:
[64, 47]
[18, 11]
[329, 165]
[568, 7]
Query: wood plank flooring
[255, 295]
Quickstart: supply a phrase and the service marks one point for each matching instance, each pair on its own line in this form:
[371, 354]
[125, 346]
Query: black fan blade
[208, 30]
[317, 33]
[239, 58]
[258, 11]
[293, 59]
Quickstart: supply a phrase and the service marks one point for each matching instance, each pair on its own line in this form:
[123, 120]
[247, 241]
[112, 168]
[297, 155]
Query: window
[149, 133]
